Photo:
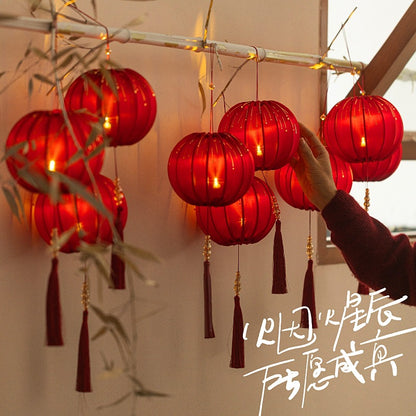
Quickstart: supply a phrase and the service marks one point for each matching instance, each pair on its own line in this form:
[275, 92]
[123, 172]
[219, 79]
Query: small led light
[216, 184]
[259, 151]
[51, 166]
[363, 142]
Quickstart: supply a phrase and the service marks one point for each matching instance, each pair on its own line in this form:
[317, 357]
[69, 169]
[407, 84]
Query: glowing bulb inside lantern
[259, 151]
[51, 166]
[216, 184]
[363, 142]
[107, 124]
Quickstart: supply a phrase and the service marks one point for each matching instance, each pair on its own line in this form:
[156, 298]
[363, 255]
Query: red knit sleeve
[374, 255]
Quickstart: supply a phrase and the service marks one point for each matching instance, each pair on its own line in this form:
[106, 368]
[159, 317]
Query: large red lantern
[268, 128]
[122, 98]
[363, 128]
[41, 143]
[246, 221]
[210, 169]
[79, 215]
[377, 170]
[289, 188]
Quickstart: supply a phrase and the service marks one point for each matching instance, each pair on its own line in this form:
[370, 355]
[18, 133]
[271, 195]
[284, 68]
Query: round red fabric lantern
[77, 214]
[41, 143]
[377, 170]
[246, 221]
[210, 169]
[269, 130]
[121, 97]
[289, 188]
[364, 128]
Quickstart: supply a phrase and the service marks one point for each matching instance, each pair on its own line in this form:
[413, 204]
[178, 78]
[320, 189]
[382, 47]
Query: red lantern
[210, 169]
[246, 221]
[267, 128]
[289, 189]
[377, 170]
[364, 128]
[74, 213]
[41, 143]
[121, 97]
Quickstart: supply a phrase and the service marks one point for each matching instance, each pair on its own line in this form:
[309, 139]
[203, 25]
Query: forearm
[375, 257]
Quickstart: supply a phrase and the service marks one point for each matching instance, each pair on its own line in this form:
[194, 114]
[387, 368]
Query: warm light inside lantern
[51, 166]
[216, 184]
[107, 124]
[259, 150]
[363, 142]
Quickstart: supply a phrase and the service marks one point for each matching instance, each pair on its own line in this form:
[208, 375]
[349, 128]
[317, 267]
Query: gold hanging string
[309, 245]
[207, 248]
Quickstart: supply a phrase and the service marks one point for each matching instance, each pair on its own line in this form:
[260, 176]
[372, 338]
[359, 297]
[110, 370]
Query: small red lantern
[74, 213]
[121, 97]
[377, 170]
[210, 169]
[268, 128]
[41, 143]
[246, 221]
[289, 189]
[364, 128]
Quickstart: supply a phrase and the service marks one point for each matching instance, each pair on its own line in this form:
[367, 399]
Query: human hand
[313, 169]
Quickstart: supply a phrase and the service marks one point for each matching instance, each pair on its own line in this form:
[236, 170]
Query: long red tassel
[237, 350]
[363, 289]
[308, 299]
[83, 370]
[53, 307]
[279, 266]
[209, 327]
[118, 266]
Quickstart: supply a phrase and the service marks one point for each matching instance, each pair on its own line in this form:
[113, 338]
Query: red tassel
[83, 371]
[118, 266]
[209, 328]
[363, 289]
[237, 352]
[308, 299]
[53, 308]
[279, 267]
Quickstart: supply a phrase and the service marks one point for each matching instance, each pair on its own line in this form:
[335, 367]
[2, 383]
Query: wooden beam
[392, 57]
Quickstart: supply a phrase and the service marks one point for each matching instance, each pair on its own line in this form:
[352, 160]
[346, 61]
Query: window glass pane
[392, 201]
[363, 35]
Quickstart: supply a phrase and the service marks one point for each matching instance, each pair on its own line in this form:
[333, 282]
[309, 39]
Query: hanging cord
[211, 87]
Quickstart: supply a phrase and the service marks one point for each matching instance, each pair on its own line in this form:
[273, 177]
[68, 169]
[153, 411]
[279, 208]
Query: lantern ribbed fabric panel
[376, 258]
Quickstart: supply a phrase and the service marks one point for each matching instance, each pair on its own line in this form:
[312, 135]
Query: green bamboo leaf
[115, 403]
[40, 54]
[109, 79]
[78, 188]
[112, 322]
[30, 87]
[102, 331]
[95, 252]
[13, 204]
[44, 79]
[143, 391]
[141, 253]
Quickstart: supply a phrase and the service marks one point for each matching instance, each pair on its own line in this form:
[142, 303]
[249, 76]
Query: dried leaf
[203, 97]
[34, 5]
[30, 87]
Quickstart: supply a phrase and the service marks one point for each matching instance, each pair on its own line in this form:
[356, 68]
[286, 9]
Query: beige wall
[172, 355]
